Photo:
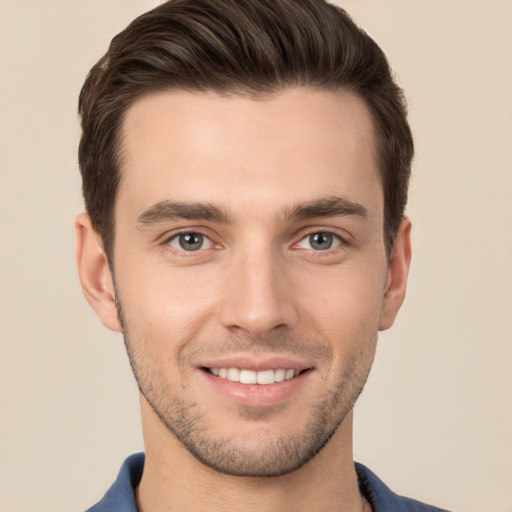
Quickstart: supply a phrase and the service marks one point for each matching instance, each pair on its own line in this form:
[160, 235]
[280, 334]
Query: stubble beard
[247, 455]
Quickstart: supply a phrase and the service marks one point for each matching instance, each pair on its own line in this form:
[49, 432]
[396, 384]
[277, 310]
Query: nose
[257, 296]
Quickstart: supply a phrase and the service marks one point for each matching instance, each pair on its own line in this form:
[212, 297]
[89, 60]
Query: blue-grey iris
[321, 241]
[191, 241]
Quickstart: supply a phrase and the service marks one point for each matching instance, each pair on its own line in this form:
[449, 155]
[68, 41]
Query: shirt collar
[121, 498]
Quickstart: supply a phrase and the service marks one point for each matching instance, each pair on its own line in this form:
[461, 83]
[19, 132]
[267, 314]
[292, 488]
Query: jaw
[254, 430]
[187, 482]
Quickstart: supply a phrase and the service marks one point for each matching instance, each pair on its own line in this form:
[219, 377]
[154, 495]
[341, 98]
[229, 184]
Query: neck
[173, 479]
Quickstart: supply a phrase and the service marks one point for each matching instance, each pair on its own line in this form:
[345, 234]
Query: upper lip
[257, 362]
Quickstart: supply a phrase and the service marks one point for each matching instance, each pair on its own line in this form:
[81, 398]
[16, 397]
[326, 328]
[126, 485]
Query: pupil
[191, 241]
[321, 241]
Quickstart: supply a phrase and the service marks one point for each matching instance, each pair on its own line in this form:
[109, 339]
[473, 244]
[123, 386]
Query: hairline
[249, 93]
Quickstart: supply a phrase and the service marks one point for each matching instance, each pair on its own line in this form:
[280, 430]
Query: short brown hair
[247, 47]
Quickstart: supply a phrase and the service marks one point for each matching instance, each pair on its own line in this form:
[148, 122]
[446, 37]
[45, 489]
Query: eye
[320, 241]
[190, 242]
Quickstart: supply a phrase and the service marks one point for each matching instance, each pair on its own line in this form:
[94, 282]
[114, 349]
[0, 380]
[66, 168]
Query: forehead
[292, 146]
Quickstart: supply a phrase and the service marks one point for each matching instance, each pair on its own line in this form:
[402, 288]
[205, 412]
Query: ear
[94, 273]
[398, 270]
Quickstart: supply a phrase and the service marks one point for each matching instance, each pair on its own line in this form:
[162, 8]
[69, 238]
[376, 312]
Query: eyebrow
[162, 211]
[334, 206]
[170, 210]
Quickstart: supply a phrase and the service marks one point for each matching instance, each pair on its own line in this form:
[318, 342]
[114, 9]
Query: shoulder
[383, 499]
[120, 497]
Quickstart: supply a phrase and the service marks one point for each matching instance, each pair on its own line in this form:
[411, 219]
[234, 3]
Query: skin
[256, 179]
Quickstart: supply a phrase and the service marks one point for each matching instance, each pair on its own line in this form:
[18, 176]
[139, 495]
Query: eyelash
[167, 241]
[342, 242]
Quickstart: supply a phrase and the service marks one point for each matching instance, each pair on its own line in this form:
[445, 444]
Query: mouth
[261, 377]
[256, 382]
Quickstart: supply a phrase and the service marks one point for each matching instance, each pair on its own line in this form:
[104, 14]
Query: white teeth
[266, 377]
[233, 374]
[252, 377]
[279, 375]
[248, 377]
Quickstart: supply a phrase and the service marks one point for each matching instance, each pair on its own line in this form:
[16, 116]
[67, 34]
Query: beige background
[435, 420]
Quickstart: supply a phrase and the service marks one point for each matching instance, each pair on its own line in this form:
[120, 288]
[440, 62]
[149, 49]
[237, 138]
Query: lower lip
[257, 395]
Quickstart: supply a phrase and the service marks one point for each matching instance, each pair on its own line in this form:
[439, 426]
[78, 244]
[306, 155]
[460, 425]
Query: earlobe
[398, 271]
[94, 272]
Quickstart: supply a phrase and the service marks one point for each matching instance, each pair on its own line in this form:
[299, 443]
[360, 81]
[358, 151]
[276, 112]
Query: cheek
[166, 306]
[348, 300]
[347, 319]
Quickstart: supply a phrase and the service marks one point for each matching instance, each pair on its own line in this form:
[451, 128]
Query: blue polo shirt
[120, 497]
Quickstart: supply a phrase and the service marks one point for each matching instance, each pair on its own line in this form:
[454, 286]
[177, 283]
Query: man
[245, 167]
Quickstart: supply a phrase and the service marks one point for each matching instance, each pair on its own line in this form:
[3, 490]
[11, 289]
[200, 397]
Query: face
[250, 269]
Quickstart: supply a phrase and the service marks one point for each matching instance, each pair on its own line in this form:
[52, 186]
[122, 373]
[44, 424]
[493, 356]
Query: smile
[262, 377]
